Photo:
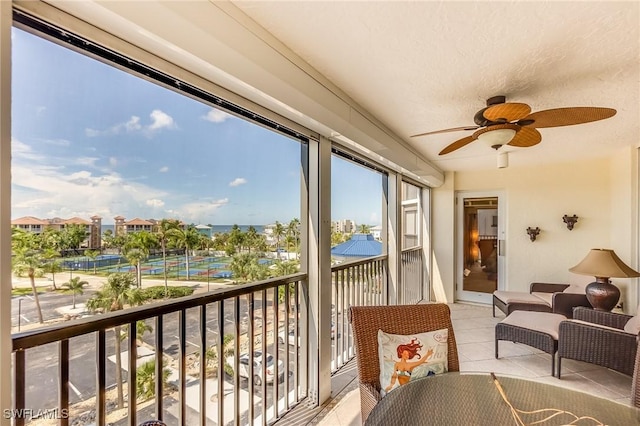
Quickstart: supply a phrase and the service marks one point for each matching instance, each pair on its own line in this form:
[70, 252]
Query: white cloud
[113, 161]
[216, 116]
[58, 142]
[131, 126]
[161, 120]
[238, 182]
[196, 211]
[164, 169]
[87, 161]
[43, 190]
[155, 203]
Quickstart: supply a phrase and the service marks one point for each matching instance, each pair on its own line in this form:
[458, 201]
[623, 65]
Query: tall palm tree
[137, 248]
[186, 238]
[163, 232]
[251, 238]
[293, 230]
[118, 291]
[364, 229]
[51, 264]
[74, 286]
[236, 238]
[93, 255]
[278, 233]
[29, 261]
[135, 256]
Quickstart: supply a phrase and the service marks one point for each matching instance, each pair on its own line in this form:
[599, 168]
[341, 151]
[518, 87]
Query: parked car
[258, 360]
[290, 338]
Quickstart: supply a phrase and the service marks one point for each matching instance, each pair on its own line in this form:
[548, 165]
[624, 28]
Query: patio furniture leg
[559, 366]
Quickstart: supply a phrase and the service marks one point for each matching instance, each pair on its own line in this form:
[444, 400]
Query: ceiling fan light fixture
[503, 159]
[496, 138]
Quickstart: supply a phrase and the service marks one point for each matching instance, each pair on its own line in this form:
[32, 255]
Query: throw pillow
[404, 358]
[633, 325]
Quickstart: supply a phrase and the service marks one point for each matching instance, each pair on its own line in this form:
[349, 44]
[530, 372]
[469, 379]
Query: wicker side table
[535, 329]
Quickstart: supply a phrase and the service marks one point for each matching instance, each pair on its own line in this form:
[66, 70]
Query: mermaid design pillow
[405, 358]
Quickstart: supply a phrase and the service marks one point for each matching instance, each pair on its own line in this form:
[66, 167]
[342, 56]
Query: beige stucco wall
[599, 191]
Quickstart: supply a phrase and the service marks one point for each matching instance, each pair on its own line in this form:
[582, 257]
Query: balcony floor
[474, 330]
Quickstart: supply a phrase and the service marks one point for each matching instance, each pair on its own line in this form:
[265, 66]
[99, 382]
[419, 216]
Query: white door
[480, 245]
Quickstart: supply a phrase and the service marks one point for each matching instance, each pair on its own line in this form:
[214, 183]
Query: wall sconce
[533, 233]
[570, 221]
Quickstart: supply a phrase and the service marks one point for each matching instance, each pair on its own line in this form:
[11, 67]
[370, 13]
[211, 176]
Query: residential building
[36, 226]
[346, 226]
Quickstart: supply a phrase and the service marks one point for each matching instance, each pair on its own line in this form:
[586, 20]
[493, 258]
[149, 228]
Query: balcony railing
[53, 366]
[67, 373]
[362, 282]
[412, 275]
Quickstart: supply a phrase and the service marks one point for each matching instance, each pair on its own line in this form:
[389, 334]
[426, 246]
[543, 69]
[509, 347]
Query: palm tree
[51, 265]
[286, 267]
[293, 230]
[135, 256]
[236, 238]
[93, 255]
[107, 239]
[186, 238]
[146, 379]
[74, 286]
[118, 291]
[163, 232]
[364, 229]
[251, 238]
[278, 233]
[241, 265]
[29, 261]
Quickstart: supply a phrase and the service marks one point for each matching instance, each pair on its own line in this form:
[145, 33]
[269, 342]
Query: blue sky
[90, 139]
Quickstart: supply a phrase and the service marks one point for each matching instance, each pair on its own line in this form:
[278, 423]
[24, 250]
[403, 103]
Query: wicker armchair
[398, 319]
[598, 338]
[635, 383]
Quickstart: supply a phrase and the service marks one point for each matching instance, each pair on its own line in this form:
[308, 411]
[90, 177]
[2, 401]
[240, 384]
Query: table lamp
[603, 264]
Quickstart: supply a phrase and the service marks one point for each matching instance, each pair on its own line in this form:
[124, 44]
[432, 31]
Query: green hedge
[158, 292]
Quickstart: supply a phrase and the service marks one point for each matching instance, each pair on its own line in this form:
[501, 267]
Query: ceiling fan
[508, 123]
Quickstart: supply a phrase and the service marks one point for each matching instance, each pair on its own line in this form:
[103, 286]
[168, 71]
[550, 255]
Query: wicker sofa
[598, 337]
[545, 297]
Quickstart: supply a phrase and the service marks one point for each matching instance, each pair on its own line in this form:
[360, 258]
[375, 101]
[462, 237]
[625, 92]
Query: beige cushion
[595, 325]
[633, 325]
[394, 371]
[517, 296]
[544, 322]
[547, 297]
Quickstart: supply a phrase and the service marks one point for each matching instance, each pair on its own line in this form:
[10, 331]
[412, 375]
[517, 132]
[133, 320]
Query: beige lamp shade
[604, 263]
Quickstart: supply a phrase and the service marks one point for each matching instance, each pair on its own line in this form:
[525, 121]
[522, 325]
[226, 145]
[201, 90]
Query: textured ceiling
[424, 66]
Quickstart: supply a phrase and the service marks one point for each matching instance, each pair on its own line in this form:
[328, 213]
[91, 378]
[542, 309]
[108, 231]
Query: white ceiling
[423, 65]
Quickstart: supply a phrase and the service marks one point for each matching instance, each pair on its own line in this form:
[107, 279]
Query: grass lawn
[23, 291]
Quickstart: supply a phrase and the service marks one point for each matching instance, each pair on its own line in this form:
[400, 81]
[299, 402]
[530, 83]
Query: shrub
[158, 292]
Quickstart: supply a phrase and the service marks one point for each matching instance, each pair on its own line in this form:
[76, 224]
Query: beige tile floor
[474, 331]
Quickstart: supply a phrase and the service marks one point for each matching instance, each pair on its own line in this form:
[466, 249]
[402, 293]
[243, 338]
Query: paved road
[42, 365]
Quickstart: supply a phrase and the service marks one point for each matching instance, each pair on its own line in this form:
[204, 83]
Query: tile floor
[474, 330]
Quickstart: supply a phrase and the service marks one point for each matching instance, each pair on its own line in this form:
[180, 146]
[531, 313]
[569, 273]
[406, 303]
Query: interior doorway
[480, 246]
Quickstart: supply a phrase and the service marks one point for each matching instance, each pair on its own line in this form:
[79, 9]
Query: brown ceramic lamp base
[602, 295]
